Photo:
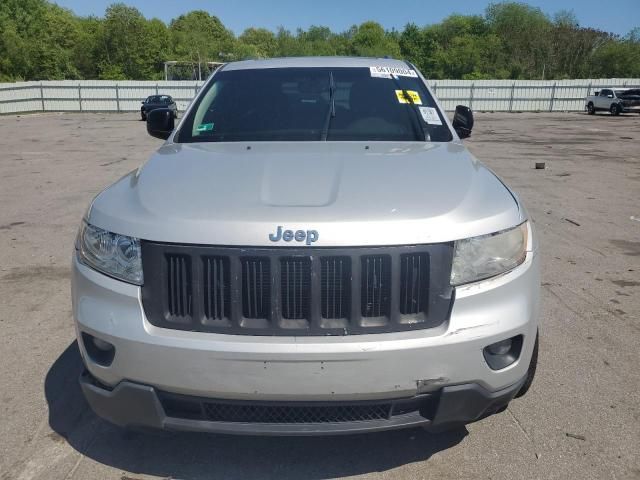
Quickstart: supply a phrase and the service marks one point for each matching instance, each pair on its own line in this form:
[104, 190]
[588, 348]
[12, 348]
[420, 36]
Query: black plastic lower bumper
[134, 405]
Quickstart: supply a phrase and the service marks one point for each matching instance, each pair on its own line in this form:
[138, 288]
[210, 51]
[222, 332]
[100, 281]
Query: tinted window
[294, 104]
[159, 99]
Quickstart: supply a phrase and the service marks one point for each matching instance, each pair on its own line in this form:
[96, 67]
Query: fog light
[501, 354]
[102, 345]
[500, 348]
[98, 350]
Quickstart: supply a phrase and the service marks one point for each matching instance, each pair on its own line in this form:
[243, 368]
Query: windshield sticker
[410, 95]
[386, 72]
[205, 127]
[430, 116]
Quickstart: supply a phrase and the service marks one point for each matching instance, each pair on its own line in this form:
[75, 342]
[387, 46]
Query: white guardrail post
[41, 96]
[513, 88]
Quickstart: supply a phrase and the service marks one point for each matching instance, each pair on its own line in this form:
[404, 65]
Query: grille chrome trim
[248, 291]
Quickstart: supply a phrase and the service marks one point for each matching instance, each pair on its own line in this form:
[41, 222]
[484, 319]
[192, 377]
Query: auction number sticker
[410, 94]
[430, 116]
[386, 72]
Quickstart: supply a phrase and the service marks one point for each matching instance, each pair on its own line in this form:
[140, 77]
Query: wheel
[531, 373]
[614, 109]
[591, 110]
[175, 114]
[143, 116]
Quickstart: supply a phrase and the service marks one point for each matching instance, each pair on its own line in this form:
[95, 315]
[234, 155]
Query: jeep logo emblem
[308, 236]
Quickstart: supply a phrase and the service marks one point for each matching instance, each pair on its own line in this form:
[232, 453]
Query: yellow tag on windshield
[402, 98]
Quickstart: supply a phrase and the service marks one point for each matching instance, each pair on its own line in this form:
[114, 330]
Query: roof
[315, 62]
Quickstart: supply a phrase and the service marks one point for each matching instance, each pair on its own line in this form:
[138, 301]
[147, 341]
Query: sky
[617, 16]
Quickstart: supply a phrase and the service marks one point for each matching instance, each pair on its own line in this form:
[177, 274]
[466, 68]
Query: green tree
[199, 37]
[263, 40]
[525, 32]
[125, 44]
[371, 40]
[40, 40]
[37, 40]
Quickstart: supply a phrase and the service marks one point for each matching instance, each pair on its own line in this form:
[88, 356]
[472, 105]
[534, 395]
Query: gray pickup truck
[312, 250]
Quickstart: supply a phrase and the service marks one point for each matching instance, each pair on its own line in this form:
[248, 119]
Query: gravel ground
[580, 420]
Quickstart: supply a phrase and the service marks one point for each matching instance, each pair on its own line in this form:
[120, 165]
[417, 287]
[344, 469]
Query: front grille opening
[414, 283]
[376, 286]
[293, 291]
[217, 288]
[335, 280]
[179, 287]
[256, 287]
[295, 414]
[181, 407]
[238, 411]
[295, 287]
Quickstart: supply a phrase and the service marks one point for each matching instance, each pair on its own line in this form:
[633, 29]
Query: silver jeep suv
[312, 250]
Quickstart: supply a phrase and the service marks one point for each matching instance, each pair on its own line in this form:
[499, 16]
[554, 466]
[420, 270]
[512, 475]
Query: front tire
[615, 109]
[143, 116]
[591, 110]
[531, 373]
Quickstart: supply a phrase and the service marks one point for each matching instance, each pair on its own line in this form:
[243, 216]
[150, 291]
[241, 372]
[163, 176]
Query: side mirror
[160, 123]
[463, 121]
[610, 96]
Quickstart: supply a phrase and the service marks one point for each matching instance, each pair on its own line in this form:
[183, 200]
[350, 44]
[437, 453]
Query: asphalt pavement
[580, 420]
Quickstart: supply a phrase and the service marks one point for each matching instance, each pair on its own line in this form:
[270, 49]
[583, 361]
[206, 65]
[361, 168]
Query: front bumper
[342, 369]
[134, 405]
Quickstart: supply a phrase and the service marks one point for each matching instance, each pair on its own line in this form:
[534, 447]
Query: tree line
[41, 41]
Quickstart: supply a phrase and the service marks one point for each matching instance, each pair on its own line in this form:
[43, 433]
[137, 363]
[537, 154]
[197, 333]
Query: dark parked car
[158, 101]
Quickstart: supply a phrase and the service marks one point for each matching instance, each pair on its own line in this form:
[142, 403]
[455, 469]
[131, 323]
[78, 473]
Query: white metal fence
[125, 96]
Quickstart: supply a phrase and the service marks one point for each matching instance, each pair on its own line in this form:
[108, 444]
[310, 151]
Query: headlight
[110, 253]
[486, 256]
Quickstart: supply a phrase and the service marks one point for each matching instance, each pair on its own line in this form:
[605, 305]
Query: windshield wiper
[414, 107]
[332, 108]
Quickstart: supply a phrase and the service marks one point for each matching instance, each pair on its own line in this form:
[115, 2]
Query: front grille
[238, 411]
[225, 412]
[296, 291]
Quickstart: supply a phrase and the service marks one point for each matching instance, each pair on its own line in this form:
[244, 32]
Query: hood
[350, 193]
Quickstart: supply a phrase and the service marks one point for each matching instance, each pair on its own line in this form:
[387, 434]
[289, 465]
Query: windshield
[159, 99]
[307, 104]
